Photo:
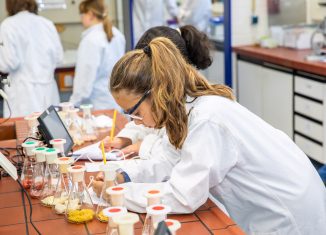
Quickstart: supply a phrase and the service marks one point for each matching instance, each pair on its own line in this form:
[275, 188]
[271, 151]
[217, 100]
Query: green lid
[51, 150]
[40, 149]
[30, 142]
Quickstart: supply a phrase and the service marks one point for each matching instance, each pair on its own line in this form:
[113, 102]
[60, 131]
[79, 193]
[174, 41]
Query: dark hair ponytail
[198, 46]
[193, 45]
[15, 6]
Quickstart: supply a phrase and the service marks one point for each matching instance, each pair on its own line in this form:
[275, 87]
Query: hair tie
[147, 50]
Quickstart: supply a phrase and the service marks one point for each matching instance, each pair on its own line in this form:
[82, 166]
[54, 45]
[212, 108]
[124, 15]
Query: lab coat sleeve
[172, 7]
[134, 132]
[207, 156]
[149, 144]
[9, 60]
[88, 61]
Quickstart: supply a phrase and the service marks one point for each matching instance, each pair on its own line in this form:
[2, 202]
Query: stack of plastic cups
[58, 144]
[110, 212]
[173, 225]
[126, 223]
[117, 195]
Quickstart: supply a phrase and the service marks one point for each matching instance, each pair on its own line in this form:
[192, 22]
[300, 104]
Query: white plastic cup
[40, 154]
[51, 155]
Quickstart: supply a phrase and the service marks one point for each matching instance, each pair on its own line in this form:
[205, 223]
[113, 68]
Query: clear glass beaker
[29, 162]
[80, 208]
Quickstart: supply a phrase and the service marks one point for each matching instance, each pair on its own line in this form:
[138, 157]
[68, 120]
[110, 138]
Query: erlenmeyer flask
[39, 179]
[117, 195]
[32, 124]
[109, 181]
[80, 208]
[65, 107]
[155, 214]
[29, 162]
[52, 176]
[58, 144]
[173, 225]
[110, 212]
[74, 127]
[126, 223]
[89, 133]
[64, 185]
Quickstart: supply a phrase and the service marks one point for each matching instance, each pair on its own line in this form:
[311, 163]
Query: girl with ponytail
[102, 45]
[214, 146]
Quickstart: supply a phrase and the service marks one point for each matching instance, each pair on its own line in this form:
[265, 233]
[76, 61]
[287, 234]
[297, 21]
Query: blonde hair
[97, 7]
[161, 68]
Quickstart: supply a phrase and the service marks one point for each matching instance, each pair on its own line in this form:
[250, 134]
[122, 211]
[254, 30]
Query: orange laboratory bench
[14, 208]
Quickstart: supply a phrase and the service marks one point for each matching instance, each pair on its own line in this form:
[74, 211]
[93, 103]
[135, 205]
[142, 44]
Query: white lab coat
[30, 52]
[267, 184]
[96, 57]
[150, 138]
[196, 13]
[150, 13]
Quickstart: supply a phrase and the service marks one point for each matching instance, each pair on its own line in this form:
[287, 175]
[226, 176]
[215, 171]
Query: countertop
[290, 58]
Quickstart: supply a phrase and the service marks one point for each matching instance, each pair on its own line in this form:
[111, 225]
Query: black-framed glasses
[133, 109]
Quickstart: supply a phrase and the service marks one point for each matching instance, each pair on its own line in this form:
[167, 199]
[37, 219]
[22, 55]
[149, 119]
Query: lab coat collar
[95, 27]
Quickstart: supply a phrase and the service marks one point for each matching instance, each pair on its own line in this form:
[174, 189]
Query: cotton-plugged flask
[65, 107]
[39, 179]
[117, 195]
[109, 181]
[154, 196]
[80, 208]
[173, 225]
[52, 177]
[59, 144]
[155, 214]
[126, 223]
[32, 124]
[89, 132]
[29, 162]
[74, 127]
[64, 185]
[110, 212]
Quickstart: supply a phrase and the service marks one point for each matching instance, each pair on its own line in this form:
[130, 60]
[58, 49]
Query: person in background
[102, 45]
[30, 50]
[196, 13]
[150, 13]
[267, 184]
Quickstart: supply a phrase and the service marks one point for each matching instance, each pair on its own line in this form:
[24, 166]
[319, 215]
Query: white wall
[315, 13]
[243, 32]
